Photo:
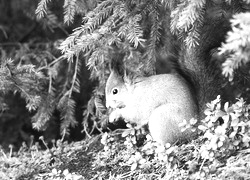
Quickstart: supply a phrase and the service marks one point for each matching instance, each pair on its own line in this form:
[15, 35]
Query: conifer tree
[140, 29]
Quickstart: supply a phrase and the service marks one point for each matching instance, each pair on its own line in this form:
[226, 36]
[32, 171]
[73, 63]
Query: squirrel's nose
[120, 105]
[114, 104]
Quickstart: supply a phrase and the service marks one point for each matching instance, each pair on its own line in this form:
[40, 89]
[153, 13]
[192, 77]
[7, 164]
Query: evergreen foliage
[49, 83]
[237, 44]
[187, 17]
[42, 8]
[138, 28]
[23, 79]
[69, 11]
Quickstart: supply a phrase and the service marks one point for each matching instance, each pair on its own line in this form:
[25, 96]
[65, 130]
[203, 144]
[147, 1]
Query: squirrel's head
[115, 89]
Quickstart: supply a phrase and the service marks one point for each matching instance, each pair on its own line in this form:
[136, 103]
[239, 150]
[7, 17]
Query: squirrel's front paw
[114, 115]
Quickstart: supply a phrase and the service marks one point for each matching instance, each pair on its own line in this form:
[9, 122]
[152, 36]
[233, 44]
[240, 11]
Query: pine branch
[80, 41]
[42, 8]
[50, 21]
[44, 112]
[190, 14]
[82, 7]
[132, 31]
[96, 17]
[187, 18]
[96, 63]
[75, 86]
[86, 38]
[69, 11]
[153, 39]
[24, 79]
[66, 106]
[170, 3]
[237, 44]
[193, 36]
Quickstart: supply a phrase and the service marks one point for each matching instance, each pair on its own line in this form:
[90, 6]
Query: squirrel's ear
[117, 64]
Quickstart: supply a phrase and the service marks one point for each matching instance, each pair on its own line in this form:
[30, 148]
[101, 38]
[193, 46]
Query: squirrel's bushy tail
[200, 62]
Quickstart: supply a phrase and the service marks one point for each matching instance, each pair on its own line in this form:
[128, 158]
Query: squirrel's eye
[115, 91]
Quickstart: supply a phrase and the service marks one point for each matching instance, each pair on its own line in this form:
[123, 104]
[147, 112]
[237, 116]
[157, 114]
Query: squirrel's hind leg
[164, 124]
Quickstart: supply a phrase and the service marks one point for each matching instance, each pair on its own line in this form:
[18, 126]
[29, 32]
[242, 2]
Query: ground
[111, 156]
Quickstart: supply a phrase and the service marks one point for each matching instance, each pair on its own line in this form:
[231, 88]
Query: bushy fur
[161, 101]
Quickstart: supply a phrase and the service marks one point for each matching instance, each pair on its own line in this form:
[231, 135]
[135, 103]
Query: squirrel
[162, 101]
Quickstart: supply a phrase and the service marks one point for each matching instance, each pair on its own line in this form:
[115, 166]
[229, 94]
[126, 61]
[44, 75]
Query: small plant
[36, 162]
[145, 158]
[59, 175]
[226, 129]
